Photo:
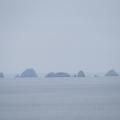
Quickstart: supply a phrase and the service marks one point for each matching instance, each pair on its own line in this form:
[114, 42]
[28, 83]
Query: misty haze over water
[63, 35]
[68, 41]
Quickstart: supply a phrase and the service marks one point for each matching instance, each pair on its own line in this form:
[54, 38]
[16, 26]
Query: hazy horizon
[63, 35]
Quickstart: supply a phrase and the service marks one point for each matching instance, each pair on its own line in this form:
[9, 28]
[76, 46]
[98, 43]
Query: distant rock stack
[17, 76]
[50, 75]
[74, 75]
[58, 74]
[111, 73]
[1, 75]
[81, 74]
[62, 74]
[30, 73]
[95, 75]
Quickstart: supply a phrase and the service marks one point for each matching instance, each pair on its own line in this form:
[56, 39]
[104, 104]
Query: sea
[90, 98]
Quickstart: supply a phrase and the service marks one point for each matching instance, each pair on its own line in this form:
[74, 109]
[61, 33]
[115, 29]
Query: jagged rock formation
[111, 73]
[29, 73]
[81, 74]
[58, 74]
[1, 75]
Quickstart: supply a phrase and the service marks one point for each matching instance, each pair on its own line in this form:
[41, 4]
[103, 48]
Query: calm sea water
[60, 99]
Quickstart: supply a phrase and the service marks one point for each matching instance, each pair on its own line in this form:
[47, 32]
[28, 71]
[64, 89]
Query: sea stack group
[31, 73]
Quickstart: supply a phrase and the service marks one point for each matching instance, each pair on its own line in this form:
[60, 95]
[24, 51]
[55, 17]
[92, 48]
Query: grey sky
[59, 35]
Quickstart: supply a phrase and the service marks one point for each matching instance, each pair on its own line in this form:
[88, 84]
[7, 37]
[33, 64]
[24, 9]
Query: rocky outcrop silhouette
[29, 73]
[17, 76]
[58, 74]
[81, 74]
[111, 73]
[62, 74]
[1, 75]
[51, 74]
